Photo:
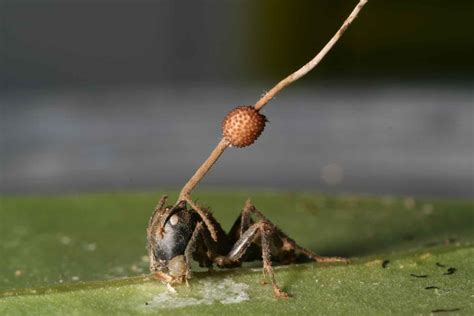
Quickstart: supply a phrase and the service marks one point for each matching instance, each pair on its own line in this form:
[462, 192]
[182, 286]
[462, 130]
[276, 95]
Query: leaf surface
[85, 254]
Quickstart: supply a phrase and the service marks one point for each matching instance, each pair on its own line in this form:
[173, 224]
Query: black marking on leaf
[441, 310]
[440, 265]
[431, 287]
[418, 275]
[450, 271]
[385, 263]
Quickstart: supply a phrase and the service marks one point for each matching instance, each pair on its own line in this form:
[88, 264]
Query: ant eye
[174, 219]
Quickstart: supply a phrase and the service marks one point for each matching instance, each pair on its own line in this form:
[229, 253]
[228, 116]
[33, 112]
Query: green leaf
[85, 254]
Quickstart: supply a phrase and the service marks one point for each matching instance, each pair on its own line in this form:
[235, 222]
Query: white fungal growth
[89, 246]
[207, 292]
[65, 240]
[170, 288]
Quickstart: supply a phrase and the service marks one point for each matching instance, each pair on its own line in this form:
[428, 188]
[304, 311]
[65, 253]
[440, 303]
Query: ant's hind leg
[315, 257]
[266, 232]
[288, 244]
[242, 223]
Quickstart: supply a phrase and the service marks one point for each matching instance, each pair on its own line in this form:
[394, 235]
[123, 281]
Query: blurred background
[129, 95]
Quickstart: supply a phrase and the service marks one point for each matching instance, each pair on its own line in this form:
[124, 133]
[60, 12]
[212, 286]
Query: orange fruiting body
[243, 125]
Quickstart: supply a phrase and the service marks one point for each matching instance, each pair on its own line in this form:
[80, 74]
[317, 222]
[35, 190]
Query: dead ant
[177, 235]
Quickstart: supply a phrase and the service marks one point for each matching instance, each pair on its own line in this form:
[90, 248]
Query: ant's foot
[331, 259]
[280, 294]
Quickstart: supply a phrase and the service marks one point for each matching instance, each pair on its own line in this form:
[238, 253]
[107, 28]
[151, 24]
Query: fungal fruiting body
[243, 125]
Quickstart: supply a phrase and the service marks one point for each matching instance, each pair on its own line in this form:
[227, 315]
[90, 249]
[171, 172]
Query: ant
[177, 235]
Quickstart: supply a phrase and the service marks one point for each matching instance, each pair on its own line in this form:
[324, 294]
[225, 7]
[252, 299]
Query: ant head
[169, 232]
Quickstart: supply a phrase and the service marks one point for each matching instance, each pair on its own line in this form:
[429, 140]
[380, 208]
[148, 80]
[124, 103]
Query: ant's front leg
[205, 216]
[191, 248]
[202, 247]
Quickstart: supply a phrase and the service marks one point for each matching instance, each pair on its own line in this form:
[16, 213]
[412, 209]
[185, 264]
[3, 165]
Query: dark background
[119, 95]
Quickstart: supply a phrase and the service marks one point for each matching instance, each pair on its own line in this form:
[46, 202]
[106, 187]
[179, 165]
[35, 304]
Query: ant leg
[201, 247]
[241, 224]
[159, 208]
[244, 221]
[313, 256]
[266, 232]
[212, 225]
[155, 217]
[289, 244]
[152, 230]
[179, 270]
[205, 216]
[246, 217]
[191, 248]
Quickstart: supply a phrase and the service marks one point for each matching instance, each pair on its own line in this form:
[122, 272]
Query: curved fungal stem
[224, 144]
[313, 62]
[203, 169]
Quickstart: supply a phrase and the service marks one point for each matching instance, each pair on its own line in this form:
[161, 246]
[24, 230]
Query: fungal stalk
[243, 125]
